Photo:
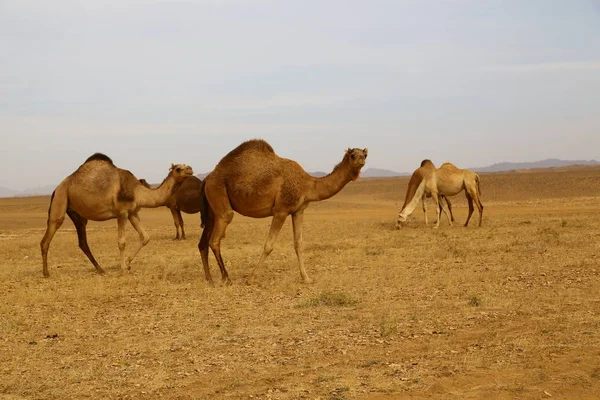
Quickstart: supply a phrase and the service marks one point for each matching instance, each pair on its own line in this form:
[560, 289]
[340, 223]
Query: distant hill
[381, 173]
[548, 163]
[367, 173]
[5, 192]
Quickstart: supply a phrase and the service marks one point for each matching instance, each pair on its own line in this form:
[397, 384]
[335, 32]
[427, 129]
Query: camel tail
[51, 200]
[204, 206]
[478, 185]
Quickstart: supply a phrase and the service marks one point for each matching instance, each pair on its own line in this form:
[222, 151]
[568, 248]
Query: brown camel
[100, 191]
[186, 199]
[447, 180]
[413, 184]
[257, 183]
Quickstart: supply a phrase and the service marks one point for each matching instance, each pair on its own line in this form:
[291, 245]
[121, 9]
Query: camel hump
[253, 144]
[99, 157]
[426, 162]
[448, 165]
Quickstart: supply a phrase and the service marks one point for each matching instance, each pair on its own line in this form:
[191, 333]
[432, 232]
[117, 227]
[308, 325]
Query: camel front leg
[424, 210]
[276, 225]
[297, 219]
[144, 238]
[175, 222]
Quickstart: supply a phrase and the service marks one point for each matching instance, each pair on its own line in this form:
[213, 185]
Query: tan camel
[448, 180]
[187, 199]
[413, 184]
[257, 183]
[100, 191]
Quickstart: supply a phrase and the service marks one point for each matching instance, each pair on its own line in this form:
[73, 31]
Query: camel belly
[253, 209]
[449, 190]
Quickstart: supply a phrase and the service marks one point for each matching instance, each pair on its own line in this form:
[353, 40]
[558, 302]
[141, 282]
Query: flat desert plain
[508, 310]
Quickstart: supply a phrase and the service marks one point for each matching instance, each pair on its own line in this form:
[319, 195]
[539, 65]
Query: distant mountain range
[368, 173]
[548, 163]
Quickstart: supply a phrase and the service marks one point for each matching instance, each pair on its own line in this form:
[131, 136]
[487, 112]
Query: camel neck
[329, 185]
[151, 198]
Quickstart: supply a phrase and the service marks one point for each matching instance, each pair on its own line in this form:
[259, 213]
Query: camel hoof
[308, 281]
[100, 271]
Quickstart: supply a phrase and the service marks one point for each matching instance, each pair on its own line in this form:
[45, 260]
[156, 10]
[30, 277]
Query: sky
[149, 83]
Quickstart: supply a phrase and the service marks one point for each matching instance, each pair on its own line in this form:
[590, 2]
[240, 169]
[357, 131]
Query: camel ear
[172, 166]
[349, 150]
[366, 151]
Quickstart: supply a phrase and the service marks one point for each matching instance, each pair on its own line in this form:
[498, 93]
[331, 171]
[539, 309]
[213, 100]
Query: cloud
[546, 67]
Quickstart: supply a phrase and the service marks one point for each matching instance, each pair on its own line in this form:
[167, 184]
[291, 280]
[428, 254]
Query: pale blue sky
[154, 82]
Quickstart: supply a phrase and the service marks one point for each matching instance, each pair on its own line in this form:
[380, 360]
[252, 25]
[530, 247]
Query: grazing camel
[100, 191]
[257, 183]
[413, 184]
[447, 180]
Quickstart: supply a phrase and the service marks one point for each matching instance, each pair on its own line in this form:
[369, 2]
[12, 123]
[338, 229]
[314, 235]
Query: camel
[413, 183]
[186, 199]
[447, 180]
[100, 191]
[255, 182]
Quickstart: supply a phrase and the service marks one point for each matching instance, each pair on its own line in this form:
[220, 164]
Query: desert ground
[508, 310]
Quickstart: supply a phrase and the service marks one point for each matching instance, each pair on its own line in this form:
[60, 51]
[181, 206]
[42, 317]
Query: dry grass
[509, 310]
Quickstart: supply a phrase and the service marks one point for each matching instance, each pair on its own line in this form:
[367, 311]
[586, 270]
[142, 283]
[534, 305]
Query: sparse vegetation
[388, 312]
[330, 298]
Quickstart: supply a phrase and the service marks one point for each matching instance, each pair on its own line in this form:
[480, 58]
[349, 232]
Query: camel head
[180, 171]
[356, 158]
[402, 217]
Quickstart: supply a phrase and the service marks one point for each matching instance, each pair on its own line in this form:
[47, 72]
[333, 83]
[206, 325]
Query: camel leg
[436, 203]
[297, 219]
[121, 223]
[470, 201]
[424, 209]
[443, 200]
[203, 245]
[80, 225]
[134, 219]
[479, 207]
[56, 217]
[276, 225]
[175, 222]
[218, 233]
[181, 224]
[449, 208]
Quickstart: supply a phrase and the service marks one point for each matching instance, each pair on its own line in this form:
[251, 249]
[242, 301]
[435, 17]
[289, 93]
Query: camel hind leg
[221, 214]
[470, 201]
[448, 213]
[473, 192]
[56, 217]
[203, 246]
[80, 225]
[424, 209]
